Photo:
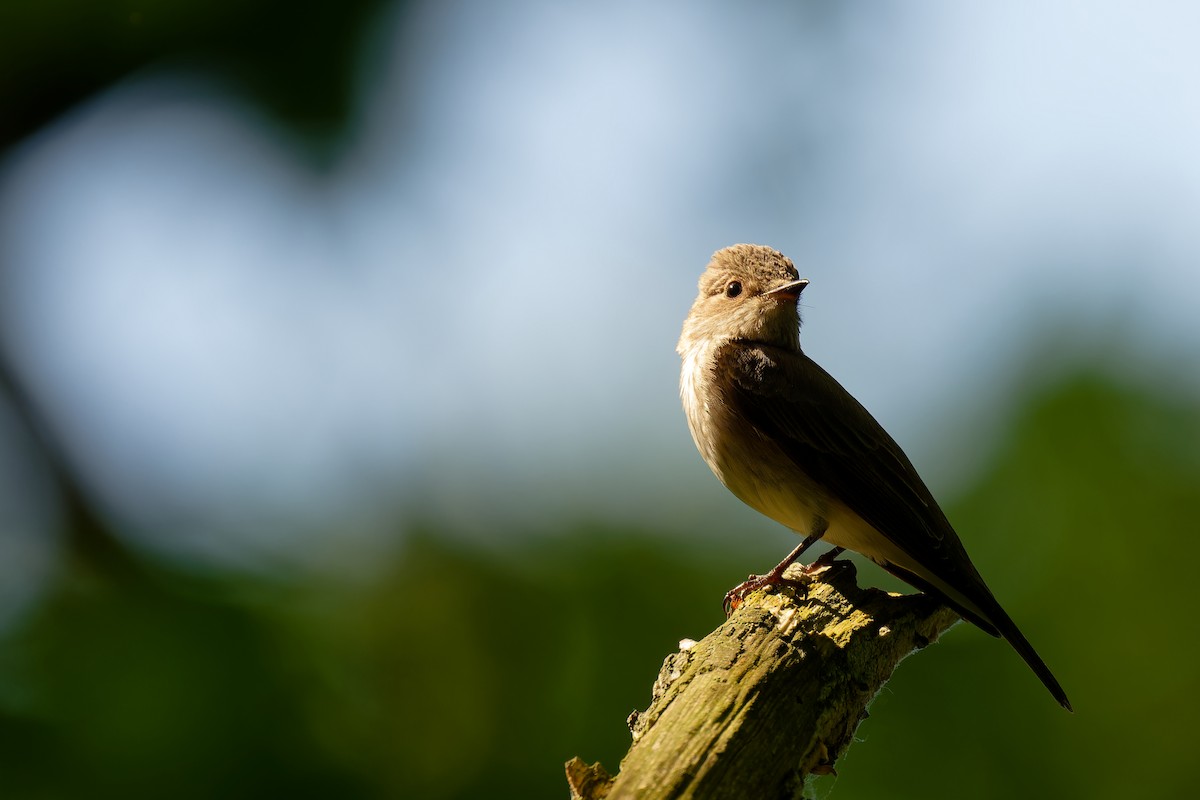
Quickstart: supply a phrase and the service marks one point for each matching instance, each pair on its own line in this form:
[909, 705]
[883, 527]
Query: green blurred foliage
[1083, 526]
[467, 673]
[453, 675]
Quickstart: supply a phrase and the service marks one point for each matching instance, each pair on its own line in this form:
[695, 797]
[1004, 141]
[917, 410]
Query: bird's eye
[733, 289]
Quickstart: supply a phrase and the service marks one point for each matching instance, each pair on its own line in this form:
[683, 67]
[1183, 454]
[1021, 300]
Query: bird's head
[748, 292]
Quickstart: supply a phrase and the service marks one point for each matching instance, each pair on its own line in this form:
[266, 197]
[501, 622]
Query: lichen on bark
[771, 696]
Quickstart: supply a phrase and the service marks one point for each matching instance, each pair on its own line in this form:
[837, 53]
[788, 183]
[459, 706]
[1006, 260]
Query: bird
[790, 442]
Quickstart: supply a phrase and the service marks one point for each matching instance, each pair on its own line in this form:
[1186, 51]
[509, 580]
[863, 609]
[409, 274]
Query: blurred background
[340, 446]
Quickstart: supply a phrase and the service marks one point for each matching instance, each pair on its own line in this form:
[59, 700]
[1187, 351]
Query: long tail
[985, 612]
[1012, 634]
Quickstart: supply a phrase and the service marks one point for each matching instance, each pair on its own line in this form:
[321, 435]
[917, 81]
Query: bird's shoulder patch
[751, 367]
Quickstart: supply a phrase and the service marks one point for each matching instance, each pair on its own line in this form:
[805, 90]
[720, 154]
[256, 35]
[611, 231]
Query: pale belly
[764, 478]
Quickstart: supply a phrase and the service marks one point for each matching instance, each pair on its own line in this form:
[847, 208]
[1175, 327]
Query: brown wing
[829, 435]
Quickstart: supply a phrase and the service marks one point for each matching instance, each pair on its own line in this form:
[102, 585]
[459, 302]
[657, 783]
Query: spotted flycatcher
[790, 442]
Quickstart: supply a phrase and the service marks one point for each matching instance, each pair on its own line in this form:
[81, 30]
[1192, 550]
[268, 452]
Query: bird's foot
[737, 595]
[826, 560]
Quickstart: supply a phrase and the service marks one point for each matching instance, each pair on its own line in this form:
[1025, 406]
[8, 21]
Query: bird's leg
[735, 596]
[825, 560]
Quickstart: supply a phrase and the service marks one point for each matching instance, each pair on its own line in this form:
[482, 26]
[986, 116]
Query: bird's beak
[789, 292]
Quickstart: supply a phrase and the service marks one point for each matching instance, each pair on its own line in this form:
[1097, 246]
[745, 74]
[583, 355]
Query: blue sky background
[471, 315]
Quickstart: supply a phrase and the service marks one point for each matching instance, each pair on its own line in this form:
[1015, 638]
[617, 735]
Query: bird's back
[877, 503]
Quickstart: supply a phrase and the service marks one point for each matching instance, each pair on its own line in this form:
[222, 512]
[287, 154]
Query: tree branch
[771, 696]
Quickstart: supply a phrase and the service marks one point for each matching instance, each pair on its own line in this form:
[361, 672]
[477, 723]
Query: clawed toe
[737, 595]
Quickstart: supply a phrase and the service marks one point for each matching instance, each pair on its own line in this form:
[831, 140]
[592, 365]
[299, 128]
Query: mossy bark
[771, 696]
